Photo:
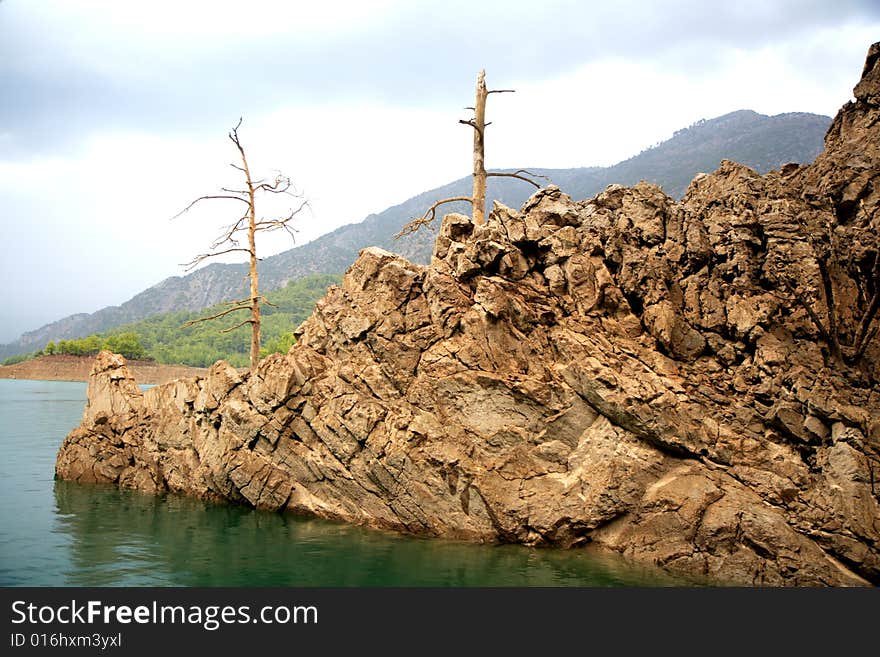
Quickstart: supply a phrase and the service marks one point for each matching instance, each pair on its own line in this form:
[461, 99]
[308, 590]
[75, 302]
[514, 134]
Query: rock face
[664, 379]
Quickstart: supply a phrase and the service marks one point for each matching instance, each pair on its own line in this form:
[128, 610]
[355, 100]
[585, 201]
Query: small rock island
[694, 384]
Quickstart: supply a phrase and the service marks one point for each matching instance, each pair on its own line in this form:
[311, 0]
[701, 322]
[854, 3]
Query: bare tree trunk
[255, 295]
[252, 247]
[478, 199]
[479, 124]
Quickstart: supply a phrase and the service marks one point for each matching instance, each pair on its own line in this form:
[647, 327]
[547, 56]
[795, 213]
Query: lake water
[55, 533]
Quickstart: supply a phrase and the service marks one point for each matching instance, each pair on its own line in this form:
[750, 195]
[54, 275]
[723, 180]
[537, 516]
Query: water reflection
[126, 538]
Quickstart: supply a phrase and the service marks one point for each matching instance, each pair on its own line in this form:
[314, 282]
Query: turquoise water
[63, 534]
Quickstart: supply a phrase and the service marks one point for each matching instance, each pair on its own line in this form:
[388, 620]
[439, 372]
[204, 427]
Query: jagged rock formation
[652, 376]
[762, 142]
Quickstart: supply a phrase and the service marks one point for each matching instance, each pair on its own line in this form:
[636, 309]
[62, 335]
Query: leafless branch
[208, 197]
[239, 325]
[302, 206]
[228, 234]
[526, 172]
[222, 313]
[270, 226]
[283, 223]
[233, 135]
[204, 256]
[519, 175]
[430, 215]
[282, 220]
[501, 91]
[280, 186]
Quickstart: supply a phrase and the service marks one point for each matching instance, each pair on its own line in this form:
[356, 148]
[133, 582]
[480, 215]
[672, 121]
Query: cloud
[73, 68]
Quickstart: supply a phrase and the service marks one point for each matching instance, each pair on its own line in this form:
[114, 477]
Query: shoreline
[77, 368]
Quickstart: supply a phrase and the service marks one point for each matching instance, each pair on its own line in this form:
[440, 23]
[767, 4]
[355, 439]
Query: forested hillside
[165, 338]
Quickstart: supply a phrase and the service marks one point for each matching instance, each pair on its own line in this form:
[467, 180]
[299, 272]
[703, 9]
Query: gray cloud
[55, 88]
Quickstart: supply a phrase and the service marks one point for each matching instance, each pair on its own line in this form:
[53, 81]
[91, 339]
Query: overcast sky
[114, 114]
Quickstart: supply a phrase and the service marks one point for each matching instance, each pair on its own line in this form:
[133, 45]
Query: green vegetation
[200, 345]
[127, 343]
[279, 345]
[20, 358]
[164, 339]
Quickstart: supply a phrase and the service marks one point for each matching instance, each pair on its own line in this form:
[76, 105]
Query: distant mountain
[759, 141]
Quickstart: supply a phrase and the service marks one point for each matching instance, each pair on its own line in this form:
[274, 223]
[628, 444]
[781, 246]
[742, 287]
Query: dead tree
[228, 240]
[478, 198]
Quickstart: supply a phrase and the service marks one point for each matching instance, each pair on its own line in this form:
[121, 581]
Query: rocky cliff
[762, 142]
[692, 383]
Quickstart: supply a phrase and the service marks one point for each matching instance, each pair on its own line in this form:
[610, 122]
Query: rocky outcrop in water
[679, 382]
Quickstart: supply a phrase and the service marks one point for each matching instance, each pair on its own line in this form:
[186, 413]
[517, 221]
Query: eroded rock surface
[626, 370]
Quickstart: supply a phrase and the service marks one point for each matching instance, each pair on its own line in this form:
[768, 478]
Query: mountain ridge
[760, 141]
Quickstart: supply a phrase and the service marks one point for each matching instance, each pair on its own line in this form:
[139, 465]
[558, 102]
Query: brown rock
[629, 371]
[112, 389]
[673, 332]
